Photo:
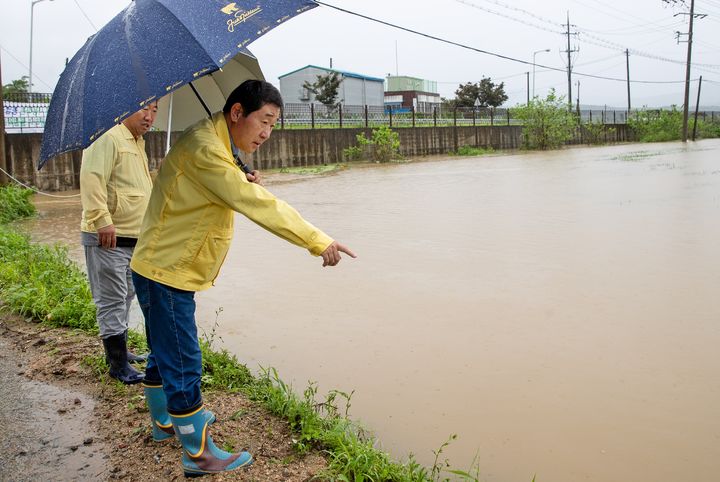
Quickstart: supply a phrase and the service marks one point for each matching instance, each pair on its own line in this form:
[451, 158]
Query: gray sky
[511, 28]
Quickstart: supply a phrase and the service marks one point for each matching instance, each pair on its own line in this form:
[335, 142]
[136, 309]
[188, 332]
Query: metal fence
[316, 116]
[26, 112]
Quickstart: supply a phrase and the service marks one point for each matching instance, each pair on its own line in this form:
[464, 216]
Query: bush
[666, 125]
[547, 123]
[15, 203]
[383, 146]
[657, 125]
[596, 133]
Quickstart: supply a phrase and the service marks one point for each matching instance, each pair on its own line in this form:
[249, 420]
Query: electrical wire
[25, 67]
[603, 43]
[85, 15]
[494, 54]
[32, 188]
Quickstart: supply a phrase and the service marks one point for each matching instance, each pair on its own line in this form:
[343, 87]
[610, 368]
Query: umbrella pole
[169, 124]
[197, 94]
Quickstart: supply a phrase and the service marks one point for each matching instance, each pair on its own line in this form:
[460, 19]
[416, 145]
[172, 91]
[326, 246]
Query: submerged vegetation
[666, 125]
[41, 282]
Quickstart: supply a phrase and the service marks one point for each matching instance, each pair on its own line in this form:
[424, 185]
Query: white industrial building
[355, 89]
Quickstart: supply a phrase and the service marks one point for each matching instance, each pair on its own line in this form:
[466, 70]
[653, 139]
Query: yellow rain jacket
[188, 225]
[115, 183]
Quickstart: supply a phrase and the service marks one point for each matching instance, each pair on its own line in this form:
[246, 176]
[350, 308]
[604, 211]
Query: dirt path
[60, 421]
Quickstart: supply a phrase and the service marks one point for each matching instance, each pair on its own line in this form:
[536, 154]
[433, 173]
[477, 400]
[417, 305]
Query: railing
[27, 97]
[26, 112]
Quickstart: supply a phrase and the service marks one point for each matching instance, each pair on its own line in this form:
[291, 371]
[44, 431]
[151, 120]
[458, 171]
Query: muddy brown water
[558, 311]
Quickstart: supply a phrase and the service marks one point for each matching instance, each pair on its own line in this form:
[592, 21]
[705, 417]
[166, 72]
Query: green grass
[15, 203]
[473, 151]
[324, 169]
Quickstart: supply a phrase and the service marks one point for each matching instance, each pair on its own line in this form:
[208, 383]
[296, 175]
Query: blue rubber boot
[200, 455]
[162, 428]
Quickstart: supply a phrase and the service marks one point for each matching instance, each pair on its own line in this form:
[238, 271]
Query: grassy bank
[41, 282]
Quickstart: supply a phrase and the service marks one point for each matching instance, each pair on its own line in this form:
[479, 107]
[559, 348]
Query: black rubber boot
[116, 354]
[133, 358]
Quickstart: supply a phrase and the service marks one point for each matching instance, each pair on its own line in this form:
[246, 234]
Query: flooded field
[558, 311]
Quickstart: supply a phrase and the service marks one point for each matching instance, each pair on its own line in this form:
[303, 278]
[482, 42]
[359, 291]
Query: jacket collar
[221, 129]
[128, 135]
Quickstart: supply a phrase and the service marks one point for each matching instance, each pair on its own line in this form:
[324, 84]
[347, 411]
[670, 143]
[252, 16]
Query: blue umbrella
[148, 50]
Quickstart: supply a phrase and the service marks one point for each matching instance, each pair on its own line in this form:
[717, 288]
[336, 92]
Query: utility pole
[687, 73]
[627, 61]
[527, 75]
[3, 163]
[697, 107]
[686, 100]
[578, 100]
[569, 62]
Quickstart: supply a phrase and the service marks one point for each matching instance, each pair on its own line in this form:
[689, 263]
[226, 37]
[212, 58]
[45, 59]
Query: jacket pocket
[212, 253]
[130, 207]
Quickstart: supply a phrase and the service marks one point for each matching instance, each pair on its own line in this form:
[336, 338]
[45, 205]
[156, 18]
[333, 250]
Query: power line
[603, 43]
[501, 56]
[24, 66]
[85, 15]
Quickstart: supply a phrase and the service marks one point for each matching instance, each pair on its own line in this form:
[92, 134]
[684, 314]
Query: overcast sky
[510, 28]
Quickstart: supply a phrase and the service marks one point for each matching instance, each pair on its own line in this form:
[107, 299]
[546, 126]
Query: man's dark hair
[252, 95]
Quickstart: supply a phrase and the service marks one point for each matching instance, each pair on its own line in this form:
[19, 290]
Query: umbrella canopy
[182, 108]
[148, 50]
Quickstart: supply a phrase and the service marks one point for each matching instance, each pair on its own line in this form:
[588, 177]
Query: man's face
[141, 121]
[249, 132]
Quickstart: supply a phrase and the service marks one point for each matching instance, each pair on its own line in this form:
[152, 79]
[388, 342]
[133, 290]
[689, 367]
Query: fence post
[434, 116]
[312, 116]
[507, 111]
[366, 116]
[282, 119]
[390, 112]
[413, 116]
[455, 117]
[340, 114]
[590, 116]
[492, 116]
[614, 118]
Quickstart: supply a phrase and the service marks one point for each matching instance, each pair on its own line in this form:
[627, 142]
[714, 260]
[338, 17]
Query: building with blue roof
[355, 89]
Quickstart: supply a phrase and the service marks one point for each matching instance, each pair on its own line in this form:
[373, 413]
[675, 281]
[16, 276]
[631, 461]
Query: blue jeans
[175, 360]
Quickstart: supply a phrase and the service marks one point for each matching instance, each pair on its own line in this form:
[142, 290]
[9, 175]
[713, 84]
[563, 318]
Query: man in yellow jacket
[115, 187]
[184, 239]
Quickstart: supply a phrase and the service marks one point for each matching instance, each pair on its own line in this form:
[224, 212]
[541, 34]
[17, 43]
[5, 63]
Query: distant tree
[19, 86]
[325, 88]
[466, 94]
[492, 95]
[486, 92]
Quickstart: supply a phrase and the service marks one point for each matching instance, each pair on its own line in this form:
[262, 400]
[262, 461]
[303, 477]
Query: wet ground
[47, 430]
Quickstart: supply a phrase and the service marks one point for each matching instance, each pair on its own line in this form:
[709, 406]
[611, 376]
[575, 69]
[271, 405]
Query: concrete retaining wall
[286, 148]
